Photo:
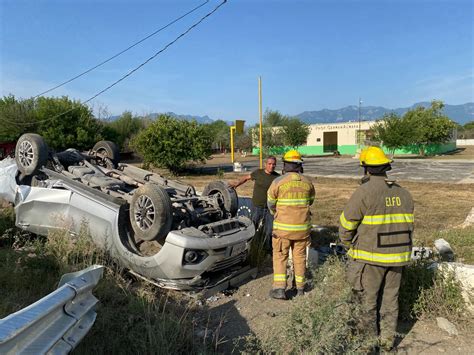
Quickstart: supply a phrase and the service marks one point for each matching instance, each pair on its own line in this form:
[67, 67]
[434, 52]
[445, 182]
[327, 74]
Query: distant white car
[159, 228]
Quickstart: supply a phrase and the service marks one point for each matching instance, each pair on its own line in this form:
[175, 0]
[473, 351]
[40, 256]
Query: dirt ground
[249, 310]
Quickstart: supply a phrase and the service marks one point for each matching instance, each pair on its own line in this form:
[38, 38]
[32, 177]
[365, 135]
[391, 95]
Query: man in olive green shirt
[263, 179]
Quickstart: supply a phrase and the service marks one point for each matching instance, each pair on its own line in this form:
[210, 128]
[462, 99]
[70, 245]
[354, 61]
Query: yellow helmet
[292, 156]
[362, 155]
[374, 156]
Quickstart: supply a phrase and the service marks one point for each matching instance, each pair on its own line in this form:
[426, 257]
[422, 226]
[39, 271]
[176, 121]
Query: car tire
[109, 150]
[227, 197]
[151, 213]
[31, 153]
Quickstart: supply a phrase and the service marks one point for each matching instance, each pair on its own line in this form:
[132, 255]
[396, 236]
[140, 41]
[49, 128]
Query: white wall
[346, 132]
[464, 142]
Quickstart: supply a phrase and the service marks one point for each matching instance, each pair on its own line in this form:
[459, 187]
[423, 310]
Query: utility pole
[359, 131]
[260, 115]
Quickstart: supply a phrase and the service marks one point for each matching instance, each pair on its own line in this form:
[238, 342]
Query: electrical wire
[128, 74]
[123, 51]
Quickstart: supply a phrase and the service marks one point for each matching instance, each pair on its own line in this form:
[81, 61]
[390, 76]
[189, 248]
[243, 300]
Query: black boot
[278, 293]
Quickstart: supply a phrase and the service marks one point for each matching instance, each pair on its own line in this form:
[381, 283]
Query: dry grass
[438, 207]
[133, 317]
[462, 152]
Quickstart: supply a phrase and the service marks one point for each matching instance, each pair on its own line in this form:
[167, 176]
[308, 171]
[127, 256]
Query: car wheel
[31, 153]
[226, 196]
[110, 150]
[150, 213]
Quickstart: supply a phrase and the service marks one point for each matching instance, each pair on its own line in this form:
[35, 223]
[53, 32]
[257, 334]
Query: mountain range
[459, 113]
[198, 119]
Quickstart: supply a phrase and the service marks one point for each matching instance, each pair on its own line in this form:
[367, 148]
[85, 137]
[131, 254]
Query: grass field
[438, 207]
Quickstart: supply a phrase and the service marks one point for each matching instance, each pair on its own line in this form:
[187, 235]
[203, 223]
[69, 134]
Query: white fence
[464, 142]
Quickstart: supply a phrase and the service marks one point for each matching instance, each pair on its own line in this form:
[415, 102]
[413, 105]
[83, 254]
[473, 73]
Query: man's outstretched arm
[242, 180]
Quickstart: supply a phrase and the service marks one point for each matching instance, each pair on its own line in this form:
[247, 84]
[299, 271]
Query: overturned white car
[159, 228]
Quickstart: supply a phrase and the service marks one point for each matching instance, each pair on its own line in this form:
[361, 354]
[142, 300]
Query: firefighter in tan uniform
[289, 199]
[377, 227]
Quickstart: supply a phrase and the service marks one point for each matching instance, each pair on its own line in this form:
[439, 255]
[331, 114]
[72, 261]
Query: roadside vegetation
[418, 128]
[134, 317]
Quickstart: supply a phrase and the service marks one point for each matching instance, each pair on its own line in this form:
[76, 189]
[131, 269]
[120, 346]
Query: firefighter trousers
[377, 289]
[281, 252]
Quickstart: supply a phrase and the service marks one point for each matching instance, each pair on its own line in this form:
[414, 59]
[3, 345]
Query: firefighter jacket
[289, 198]
[377, 222]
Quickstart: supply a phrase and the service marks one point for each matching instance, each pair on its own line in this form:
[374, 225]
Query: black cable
[129, 73]
[123, 51]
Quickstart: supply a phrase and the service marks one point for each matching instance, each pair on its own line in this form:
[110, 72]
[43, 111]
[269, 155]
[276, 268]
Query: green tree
[16, 117]
[170, 143]
[295, 132]
[273, 118]
[393, 132]
[272, 135]
[62, 122]
[419, 127]
[429, 126]
[122, 129]
[220, 133]
[244, 141]
[66, 123]
[469, 125]
[466, 131]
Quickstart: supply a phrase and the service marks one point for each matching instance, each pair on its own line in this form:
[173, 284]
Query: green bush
[443, 299]
[170, 143]
[428, 293]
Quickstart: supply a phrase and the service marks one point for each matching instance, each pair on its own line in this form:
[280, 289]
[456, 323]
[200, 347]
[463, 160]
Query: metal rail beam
[56, 323]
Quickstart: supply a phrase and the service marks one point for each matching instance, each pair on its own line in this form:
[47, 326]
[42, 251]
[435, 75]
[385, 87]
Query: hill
[458, 113]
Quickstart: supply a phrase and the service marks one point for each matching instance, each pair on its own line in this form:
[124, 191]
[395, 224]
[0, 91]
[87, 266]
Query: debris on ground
[212, 299]
[446, 325]
[444, 249]
[469, 221]
[419, 253]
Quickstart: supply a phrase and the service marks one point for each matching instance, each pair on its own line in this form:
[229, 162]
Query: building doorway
[329, 142]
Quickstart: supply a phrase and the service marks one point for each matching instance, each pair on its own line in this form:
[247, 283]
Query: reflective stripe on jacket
[289, 199]
[377, 222]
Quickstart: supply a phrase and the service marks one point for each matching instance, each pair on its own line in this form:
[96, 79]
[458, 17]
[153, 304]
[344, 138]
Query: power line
[123, 51]
[130, 72]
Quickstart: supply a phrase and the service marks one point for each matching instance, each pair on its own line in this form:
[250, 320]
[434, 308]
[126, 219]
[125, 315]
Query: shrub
[428, 293]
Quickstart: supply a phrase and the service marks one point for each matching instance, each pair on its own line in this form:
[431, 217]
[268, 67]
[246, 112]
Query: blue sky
[311, 54]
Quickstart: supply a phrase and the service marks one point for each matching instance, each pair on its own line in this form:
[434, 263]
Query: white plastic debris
[238, 167]
[444, 249]
[446, 325]
[8, 170]
[212, 299]
[419, 253]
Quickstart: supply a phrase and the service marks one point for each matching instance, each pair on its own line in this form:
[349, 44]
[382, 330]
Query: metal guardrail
[56, 323]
